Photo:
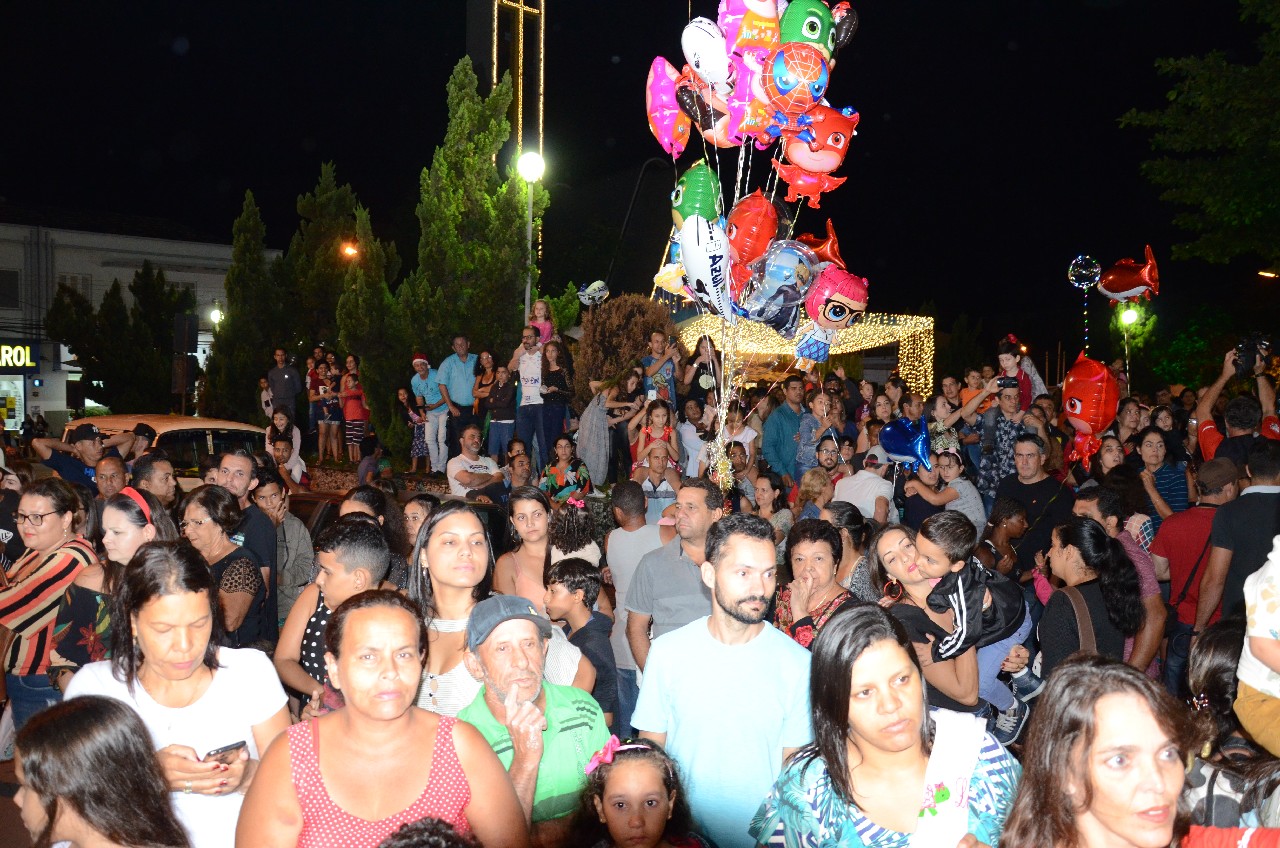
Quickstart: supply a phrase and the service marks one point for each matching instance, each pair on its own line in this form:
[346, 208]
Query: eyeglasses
[198, 522]
[828, 452]
[35, 519]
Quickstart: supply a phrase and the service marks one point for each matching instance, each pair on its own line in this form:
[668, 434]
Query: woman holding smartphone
[195, 698]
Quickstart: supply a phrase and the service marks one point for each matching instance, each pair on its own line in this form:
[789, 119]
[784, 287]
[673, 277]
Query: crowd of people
[817, 645]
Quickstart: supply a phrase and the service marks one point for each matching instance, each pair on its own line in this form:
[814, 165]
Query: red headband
[136, 496]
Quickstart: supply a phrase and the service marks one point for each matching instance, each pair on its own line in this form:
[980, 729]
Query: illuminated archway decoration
[912, 333]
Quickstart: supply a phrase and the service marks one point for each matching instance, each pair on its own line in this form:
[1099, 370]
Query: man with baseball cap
[1180, 554]
[144, 435]
[544, 734]
[74, 460]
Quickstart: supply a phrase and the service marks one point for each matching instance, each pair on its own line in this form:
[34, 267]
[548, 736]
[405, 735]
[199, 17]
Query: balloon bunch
[753, 79]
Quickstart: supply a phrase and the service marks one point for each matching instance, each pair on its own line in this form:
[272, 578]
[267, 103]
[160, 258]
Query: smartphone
[1007, 382]
[227, 754]
[652, 394]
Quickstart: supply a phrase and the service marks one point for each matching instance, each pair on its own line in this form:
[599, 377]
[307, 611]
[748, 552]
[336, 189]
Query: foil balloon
[752, 224]
[593, 294]
[1084, 272]
[827, 249]
[795, 79]
[836, 300]
[1127, 280]
[697, 192]
[670, 278]
[777, 289]
[706, 52]
[907, 442]
[817, 151]
[706, 264]
[669, 125]
[809, 22]
[709, 114]
[749, 24]
[1090, 395]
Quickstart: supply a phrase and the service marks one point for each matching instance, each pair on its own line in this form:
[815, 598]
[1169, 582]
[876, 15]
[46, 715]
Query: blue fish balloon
[907, 443]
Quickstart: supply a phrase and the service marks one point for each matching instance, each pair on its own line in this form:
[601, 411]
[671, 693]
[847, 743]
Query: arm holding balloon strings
[969, 412]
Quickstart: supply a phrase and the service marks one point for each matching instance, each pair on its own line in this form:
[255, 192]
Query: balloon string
[737, 182]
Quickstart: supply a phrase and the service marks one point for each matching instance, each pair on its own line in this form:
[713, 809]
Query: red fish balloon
[1090, 395]
[827, 249]
[1127, 280]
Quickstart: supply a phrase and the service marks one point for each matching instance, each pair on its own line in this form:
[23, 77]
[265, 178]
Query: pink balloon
[669, 125]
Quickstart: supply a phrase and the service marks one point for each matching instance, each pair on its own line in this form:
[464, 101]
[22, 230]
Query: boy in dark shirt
[573, 585]
[989, 609]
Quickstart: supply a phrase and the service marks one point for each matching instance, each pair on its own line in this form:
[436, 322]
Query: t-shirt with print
[727, 711]
[662, 381]
[575, 731]
[531, 377]
[72, 470]
[479, 465]
[1262, 612]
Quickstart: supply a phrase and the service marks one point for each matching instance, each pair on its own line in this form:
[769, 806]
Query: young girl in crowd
[282, 425]
[540, 320]
[923, 490]
[692, 431]
[633, 798]
[409, 415]
[572, 532]
[814, 424]
[814, 492]
[736, 430]
[656, 427]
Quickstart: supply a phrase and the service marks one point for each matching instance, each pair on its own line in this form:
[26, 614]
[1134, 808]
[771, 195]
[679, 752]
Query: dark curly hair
[1117, 578]
[587, 829]
[572, 528]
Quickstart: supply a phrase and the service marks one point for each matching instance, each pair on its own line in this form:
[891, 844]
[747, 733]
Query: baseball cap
[85, 433]
[144, 431]
[493, 611]
[1217, 473]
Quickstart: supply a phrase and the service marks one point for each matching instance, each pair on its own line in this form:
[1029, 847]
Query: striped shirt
[30, 606]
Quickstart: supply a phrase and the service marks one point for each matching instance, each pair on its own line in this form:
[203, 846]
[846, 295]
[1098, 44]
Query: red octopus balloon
[752, 224]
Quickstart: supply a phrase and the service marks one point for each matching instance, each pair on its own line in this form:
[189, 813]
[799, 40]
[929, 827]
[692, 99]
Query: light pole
[1127, 318]
[530, 166]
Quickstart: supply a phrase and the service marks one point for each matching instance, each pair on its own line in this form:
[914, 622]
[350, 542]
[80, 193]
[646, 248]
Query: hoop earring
[893, 590]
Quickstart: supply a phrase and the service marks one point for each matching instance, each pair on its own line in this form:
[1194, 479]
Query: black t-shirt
[1246, 527]
[72, 470]
[919, 625]
[1060, 637]
[1048, 504]
[257, 535]
[237, 573]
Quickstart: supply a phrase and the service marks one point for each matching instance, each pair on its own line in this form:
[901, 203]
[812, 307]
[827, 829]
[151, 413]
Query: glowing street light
[349, 250]
[531, 167]
[1269, 273]
[215, 314]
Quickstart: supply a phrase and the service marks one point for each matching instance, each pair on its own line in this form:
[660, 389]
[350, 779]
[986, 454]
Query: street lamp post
[530, 166]
[1127, 318]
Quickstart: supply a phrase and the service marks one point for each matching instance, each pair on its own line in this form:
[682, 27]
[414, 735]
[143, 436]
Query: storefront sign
[18, 358]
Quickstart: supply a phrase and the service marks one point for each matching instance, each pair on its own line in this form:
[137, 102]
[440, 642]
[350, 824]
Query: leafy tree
[242, 342]
[472, 257]
[958, 349]
[1141, 333]
[1218, 131]
[125, 355]
[1192, 355]
[371, 324]
[316, 264]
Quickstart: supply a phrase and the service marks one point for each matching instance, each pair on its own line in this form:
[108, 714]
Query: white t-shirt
[625, 548]
[295, 466]
[727, 712]
[531, 378]
[245, 691]
[692, 447]
[591, 553]
[1262, 611]
[862, 489]
[479, 465]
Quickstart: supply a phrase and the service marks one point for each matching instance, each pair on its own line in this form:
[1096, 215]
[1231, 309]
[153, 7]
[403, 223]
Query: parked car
[317, 510]
[186, 440]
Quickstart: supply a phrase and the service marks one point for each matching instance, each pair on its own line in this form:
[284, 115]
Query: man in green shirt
[544, 734]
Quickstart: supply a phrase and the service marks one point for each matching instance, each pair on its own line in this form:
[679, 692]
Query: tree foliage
[242, 342]
[614, 335]
[316, 264]
[1219, 135]
[472, 256]
[125, 354]
[1192, 355]
[371, 325]
[565, 308]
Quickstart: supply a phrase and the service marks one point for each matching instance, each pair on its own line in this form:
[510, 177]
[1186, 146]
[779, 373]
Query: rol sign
[16, 357]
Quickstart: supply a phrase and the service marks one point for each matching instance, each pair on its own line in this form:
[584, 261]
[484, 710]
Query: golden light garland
[912, 333]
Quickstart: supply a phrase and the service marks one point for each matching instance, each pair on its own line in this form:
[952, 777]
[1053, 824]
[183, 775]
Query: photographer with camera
[1246, 417]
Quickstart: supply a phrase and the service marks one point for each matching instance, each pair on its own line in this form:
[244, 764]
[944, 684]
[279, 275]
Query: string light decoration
[912, 333]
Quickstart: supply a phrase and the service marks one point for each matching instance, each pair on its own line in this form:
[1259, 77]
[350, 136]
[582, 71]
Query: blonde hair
[533, 311]
[814, 482]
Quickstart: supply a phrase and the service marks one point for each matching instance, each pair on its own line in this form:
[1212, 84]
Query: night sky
[988, 153]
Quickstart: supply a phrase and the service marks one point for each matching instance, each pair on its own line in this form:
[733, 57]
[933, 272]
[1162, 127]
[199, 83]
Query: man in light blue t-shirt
[728, 695]
[456, 379]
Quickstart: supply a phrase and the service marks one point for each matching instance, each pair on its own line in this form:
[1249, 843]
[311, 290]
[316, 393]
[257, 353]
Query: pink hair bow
[605, 755]
[576, 503]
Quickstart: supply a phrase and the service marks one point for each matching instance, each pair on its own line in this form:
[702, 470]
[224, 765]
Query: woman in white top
[454, 573]
[195, 698]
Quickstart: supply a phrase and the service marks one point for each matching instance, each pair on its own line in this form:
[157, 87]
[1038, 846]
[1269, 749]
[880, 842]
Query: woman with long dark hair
[87, 776]
[855, 535]
[520, 571]
[194, 697]
[1093, 568]
[557, 389]
[1168, 486]
[876, 745]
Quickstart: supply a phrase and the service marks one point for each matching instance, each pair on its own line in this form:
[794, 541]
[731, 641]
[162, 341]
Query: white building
[40, 250]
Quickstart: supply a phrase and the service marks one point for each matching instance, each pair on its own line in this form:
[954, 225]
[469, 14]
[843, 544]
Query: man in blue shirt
[75, 459]
[781, 429]
[430, 403]
[661, 367]
[456, 378]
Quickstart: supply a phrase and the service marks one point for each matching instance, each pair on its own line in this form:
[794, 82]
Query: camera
[1007, 382]
[1249, 350]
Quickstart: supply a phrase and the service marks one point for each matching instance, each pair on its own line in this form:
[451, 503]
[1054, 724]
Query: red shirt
[1181, 540]
[1210, 437]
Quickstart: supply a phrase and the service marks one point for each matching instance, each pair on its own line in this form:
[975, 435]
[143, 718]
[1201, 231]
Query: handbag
[1171, 607]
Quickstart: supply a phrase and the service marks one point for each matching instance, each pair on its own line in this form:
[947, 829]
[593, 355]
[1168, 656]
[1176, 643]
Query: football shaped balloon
[1090, 395]
[705, 251]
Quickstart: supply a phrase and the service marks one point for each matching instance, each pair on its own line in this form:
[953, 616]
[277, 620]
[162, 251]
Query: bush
[614, 334]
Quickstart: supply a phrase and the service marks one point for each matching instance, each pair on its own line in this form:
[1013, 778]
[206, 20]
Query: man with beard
[728, 695]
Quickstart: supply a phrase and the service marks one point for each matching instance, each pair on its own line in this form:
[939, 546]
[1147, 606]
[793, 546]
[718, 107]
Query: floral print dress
[805, 629]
